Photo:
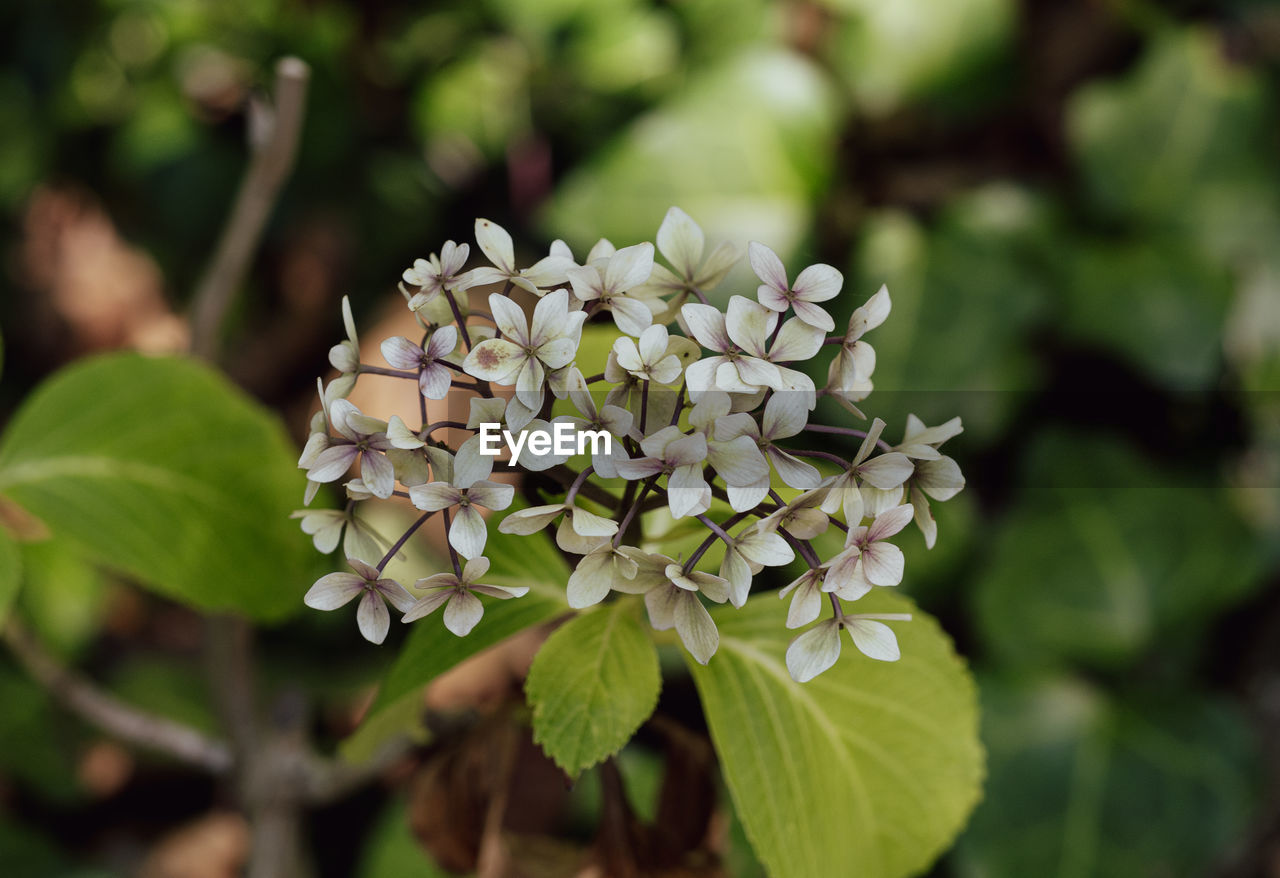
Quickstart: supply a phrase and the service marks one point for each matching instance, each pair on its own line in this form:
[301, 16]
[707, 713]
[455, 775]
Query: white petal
[496, 360]
[793, 471]
[373, 618]
[469, 465]
[681, 241]
[434, 496]
[739, 461]
[586, 281]
[333, 463]
[874, 640]
[749, 325]
[426, 604]
[531, 520]
[435, 381]
[550, 318]
[695, 627]
[890, 522]
[333, 591]
[941, 479]
[737, 572]
[797, 341]
[629, 267]
[814, 315]
[496, 244]
[589, 583]
[378, 474]
[401, 353]
[661, 604]
[767, 266]
[475, 569]
[443, 341]
[631, 315]
[529, 383]
[491, 495]
[887, 470]
[467, 533]
[757, 373]
[806, 603]
[764, 547]
[462, 613]
[588, 524]
[814, 651]
[883, 563]
[706, 325]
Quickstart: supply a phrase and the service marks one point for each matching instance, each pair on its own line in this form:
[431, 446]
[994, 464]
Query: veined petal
[501, 592]
[890, 522]
[435, 381]
[401, 436]
[556, 353]
[735, 570]
[887, 470]
[333, 590]
[630, 315]
[496, 360]
[941, 479]
[629, 267]
[549, 271]
[586, 281]
[468, 533]
[469, 465]
[661, 604]
[491, 495]
[687, 492]
[496, 244]
[395, 594]
[749, 325]
[529, 382]
[794, 471]
[696, 629]
[550, 316]
[797, 341]
[718, 263]
[765, 547]
[883, 563]
[401, 353]
[638, 468]
[806, 601]
[814, 651]
[443, 341]
[706, 325]
[818, 283]
[588, 524]
[757, 373]
[509, 318]
[333, 463]
[785, 415]
[434, 496]
[874, 639]
[590, 581]
[428, 603]
[475, 569]
[462, 613]
[681, 241]
[372, 617]
[738, 461]
[666, 370]
[767, 266]
[531, 520]
[378, 474]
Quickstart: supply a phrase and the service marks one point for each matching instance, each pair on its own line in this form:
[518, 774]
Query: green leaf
[869, 769]
[160, 469]
[1105, 556]
[591, 685]
[63, 595]
[431, 649]
[10, 572]
[1183, 143]
[1164, 303]
[1085, 784]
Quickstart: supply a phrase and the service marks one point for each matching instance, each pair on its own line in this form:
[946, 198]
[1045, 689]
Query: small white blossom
[729, 336]
[467, 489]
[680, 457]
[884, 472]
[434, 378]
[817, 283]
[648, 359]
[817, 649]
[869, 558]
[338, 589]
[849, 375]
[753, 549]
[462, 609]
[345, 357]
[365, 441]
[675, 603]
[498, 248]
[529, 349]
[436, 273]
[607, 280]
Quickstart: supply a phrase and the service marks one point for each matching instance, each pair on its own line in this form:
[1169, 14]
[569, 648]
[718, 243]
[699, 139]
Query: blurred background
[1076, 207]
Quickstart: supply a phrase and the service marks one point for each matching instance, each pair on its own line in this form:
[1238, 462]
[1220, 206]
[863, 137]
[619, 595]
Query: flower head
[462, 609]
[817, 283]
[335, 590]
[467, 489]
[674, 603]
[434, 377]
[436, 273]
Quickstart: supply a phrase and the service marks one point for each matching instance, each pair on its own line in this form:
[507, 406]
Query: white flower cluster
[702, 422]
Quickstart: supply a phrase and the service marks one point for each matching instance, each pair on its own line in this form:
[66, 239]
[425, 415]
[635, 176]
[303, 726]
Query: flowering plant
[703, 425]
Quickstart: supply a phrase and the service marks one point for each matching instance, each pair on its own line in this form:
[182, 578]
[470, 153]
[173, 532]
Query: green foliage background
[1075, 206]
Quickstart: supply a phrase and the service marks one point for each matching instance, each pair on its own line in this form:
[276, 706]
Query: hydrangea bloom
[710, 417]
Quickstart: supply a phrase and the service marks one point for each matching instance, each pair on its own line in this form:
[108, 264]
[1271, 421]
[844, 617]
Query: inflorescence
[703, 423]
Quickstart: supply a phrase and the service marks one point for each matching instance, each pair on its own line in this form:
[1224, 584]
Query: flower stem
[404, 538]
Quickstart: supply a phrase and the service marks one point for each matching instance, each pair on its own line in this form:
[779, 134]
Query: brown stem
[110, 714]
[273, 152]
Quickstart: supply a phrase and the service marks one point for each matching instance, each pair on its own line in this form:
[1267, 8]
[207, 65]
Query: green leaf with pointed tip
[591, 685]
[869, 763]
[431, 649]
[157, 467]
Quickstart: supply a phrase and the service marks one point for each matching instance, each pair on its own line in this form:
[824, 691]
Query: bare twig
[274, 146]
[110, 714]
